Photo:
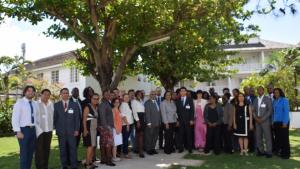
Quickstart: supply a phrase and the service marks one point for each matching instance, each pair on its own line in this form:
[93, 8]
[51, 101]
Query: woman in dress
[213, 115]
[117, 131]
[242, 122]
[90, 115]
[127, 123]
[200, 126]
[138, 110]
[169, 118]
[281, 122]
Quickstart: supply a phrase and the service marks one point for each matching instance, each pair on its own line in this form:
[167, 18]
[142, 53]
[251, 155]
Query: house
[255, 53]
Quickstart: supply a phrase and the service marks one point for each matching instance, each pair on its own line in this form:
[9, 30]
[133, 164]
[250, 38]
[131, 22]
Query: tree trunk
[168, 82]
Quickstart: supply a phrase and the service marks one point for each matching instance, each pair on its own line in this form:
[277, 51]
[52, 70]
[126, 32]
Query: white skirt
[118, 140]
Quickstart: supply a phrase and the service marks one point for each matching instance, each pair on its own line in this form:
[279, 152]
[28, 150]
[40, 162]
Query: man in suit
[160, 99]
[75, 98]
[262, 106]
[67, 125]
[185, 112]
[153, 121]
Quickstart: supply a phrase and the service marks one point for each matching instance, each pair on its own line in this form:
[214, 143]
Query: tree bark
[168, 82]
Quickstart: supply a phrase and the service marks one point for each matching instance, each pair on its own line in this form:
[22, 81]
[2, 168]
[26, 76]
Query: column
[262, 57]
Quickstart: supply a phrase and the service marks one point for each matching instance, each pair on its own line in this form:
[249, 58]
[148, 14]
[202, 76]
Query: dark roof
[51, 60]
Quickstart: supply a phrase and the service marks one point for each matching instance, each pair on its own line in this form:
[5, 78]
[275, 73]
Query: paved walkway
[158, 161]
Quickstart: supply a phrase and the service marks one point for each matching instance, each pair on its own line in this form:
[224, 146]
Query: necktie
[182, 100]
[66, 106]
[31, 109]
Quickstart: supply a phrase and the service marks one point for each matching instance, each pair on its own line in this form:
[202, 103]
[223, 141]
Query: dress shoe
[111, 164]
[150, 152]
[142, 156]
[180, 150]
[154, 152]
[259, 154]
[268, 155]
[190, 151]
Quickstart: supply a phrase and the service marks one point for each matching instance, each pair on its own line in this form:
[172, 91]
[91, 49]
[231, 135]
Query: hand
[128, 127]
[191, 122]
[149, 125]
[85, 133]
[234, 127]
[76, 133]
[284, 126]
[138, 124]
[251, 127]
[167, 126]
[177, 124]
[20, 135]
[258, 120]
[228, 128]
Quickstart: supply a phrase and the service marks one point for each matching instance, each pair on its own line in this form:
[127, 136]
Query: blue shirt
[281, 110]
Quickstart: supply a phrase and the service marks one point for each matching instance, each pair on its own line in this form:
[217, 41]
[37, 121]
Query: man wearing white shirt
[23, 123]
[44, 127]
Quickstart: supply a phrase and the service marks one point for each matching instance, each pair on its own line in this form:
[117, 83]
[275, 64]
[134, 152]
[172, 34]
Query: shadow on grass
[235, 161]
[11, 160]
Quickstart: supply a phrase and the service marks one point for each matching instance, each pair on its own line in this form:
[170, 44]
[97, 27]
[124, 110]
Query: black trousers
[281, 140]
[161, 135]
[185, 136]
[252, 140]
[213, 139]
[170, 138]
[42, 151]
[227, 139]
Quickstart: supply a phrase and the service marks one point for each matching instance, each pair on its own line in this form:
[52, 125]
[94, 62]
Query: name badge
[70, 111]
[263, 105]
[188, 107]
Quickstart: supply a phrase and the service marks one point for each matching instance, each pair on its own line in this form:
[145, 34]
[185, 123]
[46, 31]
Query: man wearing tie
[262, 112]
[23, 123]
[75, 98]
[67, 125]
[153, 121]
[159, 100]
[185, 112]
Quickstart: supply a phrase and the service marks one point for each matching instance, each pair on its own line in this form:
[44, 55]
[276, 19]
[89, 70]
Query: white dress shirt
[21, 116]
[183, 99]
[127, 112]
[137, 107]
[259, 98]
[44, 117]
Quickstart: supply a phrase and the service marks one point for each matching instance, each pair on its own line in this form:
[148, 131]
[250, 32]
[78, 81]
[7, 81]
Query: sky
[13, 33]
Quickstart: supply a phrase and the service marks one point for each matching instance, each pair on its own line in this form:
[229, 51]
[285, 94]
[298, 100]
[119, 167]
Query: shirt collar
[260, 97]
[27, 100]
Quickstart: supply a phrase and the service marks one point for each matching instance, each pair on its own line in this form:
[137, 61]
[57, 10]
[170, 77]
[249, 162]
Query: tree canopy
[113, 30]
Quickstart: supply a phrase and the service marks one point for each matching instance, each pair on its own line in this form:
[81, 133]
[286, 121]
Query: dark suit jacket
[185, 112]
[105, 118]
[152, 114]
[66, 123]
[80, 103]
[265, 112]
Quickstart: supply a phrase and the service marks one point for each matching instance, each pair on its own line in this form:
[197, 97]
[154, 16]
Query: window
[55, 76]
[74, 75]
[40, 76]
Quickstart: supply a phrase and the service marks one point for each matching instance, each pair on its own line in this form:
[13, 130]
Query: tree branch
[72, 24]
[94, 18]
[126, 56]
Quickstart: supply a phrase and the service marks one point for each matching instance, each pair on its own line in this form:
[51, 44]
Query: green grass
[9, 157]
[234, 161]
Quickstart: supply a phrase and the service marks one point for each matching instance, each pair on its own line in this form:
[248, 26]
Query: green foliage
[283, 73]
[112, 31]
[5, 117]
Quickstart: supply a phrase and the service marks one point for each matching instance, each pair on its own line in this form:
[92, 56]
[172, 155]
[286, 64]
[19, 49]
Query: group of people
[178, 120]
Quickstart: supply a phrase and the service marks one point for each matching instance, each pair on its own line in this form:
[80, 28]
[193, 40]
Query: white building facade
[254, 55]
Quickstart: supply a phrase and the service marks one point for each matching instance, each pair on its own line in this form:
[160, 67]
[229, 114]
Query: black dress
[91, 123]
[242, 119]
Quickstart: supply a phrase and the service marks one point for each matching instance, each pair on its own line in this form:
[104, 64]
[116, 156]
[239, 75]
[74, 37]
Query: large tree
[113, 30]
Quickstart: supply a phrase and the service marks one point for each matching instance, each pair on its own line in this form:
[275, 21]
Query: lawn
[9, 157]
[251, 162]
